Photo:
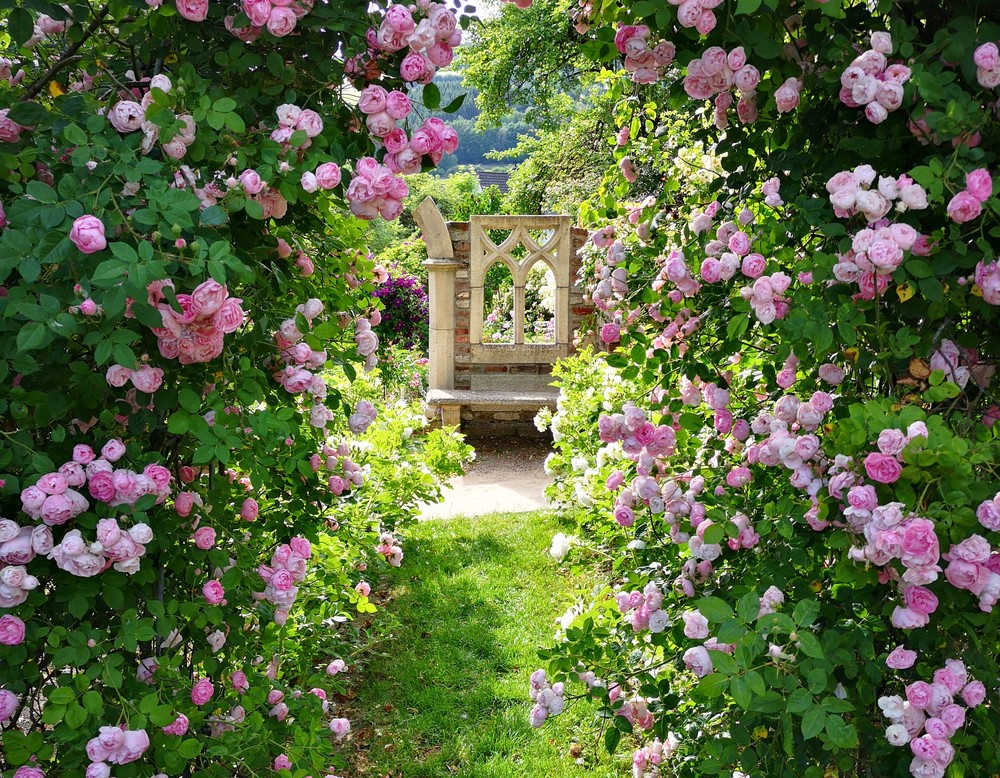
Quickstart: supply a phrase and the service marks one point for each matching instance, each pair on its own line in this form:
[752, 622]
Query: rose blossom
[882, 468]
[11, 631]
[202, 692]
[87, 234]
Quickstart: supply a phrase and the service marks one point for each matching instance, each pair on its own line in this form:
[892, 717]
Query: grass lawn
[443, 690]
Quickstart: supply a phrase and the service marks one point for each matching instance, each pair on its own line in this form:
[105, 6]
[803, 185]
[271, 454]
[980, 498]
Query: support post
[441, 267]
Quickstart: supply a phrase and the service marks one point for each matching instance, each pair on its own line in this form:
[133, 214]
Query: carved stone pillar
[441, 267]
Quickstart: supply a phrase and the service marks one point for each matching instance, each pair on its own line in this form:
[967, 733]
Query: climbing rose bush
[786, 454]
[197, 459]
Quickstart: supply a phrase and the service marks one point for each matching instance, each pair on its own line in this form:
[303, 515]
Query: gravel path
[508, 475]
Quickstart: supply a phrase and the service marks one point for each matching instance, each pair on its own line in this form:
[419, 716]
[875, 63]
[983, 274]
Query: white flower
[897, 735]
[560, 547]
[891, 707]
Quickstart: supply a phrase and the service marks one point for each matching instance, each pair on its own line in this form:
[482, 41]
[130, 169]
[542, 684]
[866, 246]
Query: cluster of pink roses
[146, 378]
[548, 698]
[645, 608]
[15, 581]
[931, 709]
[646, 63]
[363, 416]
[114, 546]
[767, 296]
[278, 17]
[366, 338]
[717, 73]
[870, 80]
[698, 14]
[292, 119]
[987, 60]
[288, 568]
[987, 278]
[968, 204]
[642, 441]
[646, 761]
[388, 546]
[431, 41]
[974, 566]
[699, 661]
[876, 252]
[115, 745]
[326, 176]
[129, 115]
[432, 139]
[850, 193]
[195, 333]
[376, 191]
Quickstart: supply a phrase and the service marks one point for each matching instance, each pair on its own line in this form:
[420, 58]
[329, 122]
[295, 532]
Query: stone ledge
[483, 398]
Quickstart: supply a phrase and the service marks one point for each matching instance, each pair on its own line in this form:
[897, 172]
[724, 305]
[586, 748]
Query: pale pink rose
[193, 10]
[87, 234]
[249, 509]
[372, 99]
[753, 265]
[126, 116]
[397, 105]
[310, 122]
[252, 183]
[229, 316]
[281, 22]
[979, 184]
[328, 175]
[901, 658]
[178, 726]
[698, 661]
[258, 11]
[83, 454]
[11, 631]
[147, 379]
[204, 538]
[964, 207]
[8, 705]
[974, 693]
[340, 727]
[117, 376]
[920, 600]
[987, 56]
[919, 543]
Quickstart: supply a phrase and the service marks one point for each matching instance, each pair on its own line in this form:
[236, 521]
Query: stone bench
[451, 401]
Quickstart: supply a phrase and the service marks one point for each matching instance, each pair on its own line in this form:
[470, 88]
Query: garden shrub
[789, 459]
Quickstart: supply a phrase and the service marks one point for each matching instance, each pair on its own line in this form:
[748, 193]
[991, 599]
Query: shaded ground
[508, 475]
[443, 690]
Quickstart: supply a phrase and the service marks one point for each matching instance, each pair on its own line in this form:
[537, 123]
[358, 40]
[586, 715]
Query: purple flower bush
[405, 315]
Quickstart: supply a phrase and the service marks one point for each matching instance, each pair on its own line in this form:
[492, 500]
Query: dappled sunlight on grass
[444, 687]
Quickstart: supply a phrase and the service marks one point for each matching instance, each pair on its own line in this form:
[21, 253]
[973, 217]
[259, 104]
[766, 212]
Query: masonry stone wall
[478, 372]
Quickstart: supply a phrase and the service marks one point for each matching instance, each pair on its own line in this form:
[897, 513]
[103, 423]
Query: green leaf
[740, 691]
[713, 685]
[432, 96]
[748, 607]
[455, 104]
[43, 193]
[124, 252]
[714, 609]
[813, 722]
[32, 336]
[21, 26]
[805, 612]
[74, 135]
[745, 7]
[225, 104]
[213, 216]
[189, 399]
[62, 696]
[842, 734]
[75, 716]
[189, 748]
[810, 645]
[93, 703]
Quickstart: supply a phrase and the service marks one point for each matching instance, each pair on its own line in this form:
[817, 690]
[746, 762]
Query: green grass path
[444, 688]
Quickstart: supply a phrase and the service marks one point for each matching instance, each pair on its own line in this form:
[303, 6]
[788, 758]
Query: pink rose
[340, 728]
[249, 509]
[412, 67]
[610, 333]
[213, 592]
[83, 454]
[882, 468]
[974, 693]
[208, 297]
[281, 22]
[919, 543]
[397, 105]
[698, 661]
[239, 682]
[202, 692]
[979, 184]
[920, 600]
[964, 207]
[282, 762]
[126, 116]
[204, 538]
[193, 10]
[11, 631]
[987, 56]
[178, 726]
[328, 175]
[147, 379]
[753, 265]
[117, 376]
[310, 122]
[87, 234]
[252, 183]
[372, 99]
[8, 705]
[901, 658]
[229, 316]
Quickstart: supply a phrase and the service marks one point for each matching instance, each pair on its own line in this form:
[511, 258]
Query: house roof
[497, 178]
